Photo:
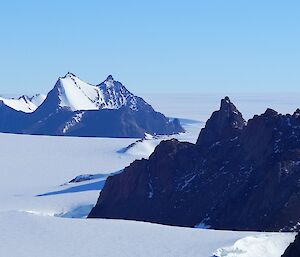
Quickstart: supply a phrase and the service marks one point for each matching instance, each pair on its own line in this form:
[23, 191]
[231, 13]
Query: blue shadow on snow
[75, 189]
[97, 185]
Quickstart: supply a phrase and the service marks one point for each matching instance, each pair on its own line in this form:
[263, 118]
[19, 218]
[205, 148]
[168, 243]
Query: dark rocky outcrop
[224, 123]
[237, 176]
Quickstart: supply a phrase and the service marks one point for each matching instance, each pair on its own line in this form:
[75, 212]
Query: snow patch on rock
[267, 245]
[76, 119]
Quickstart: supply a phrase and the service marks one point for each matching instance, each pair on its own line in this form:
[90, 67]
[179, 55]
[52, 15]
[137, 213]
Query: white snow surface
[266, 245]
[24, 103]
[78, 95]
[24, 234]
[41, 214]
[38, 99]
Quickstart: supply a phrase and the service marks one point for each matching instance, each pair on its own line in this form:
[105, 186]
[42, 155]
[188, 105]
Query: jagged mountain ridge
[237, 176]
[24, 103]
[76, 108]
[77, 95]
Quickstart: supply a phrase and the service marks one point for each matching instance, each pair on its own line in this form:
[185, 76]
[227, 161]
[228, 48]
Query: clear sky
[152, 46]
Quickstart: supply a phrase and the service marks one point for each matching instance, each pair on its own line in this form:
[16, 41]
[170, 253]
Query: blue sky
[152, 46]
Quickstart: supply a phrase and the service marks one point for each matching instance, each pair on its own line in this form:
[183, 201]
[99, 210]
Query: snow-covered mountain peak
[109, 78]
[71, 93]
[74, 107]
[68, 75]
[110, 82]
[24, 103]
[75, 94]
[116, 95]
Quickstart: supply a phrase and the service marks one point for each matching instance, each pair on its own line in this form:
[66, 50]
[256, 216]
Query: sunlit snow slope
[24, 103]
[77, 95]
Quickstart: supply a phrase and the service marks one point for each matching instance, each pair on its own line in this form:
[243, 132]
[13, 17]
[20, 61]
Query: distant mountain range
[238, 176]
[24, 103]
[76, 108]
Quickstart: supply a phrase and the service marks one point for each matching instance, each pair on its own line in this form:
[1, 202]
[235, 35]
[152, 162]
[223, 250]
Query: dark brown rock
[237, 176]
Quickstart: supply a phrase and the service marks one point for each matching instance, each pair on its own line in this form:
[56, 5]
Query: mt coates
[77, 95]
[76, 108]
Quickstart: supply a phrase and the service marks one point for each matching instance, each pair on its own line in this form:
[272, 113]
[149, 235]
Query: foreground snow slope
[34, 236]
[266, 245]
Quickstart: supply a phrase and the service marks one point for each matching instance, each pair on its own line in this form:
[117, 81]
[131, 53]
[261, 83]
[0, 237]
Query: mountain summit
[115, 95]
[76, 108]
[24, 103]
[224, 123]
[70, 92]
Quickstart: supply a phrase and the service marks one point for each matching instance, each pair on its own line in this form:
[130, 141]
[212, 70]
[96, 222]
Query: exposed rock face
[76, 108]
[294, 248]
[237, 176]
[224, 123]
